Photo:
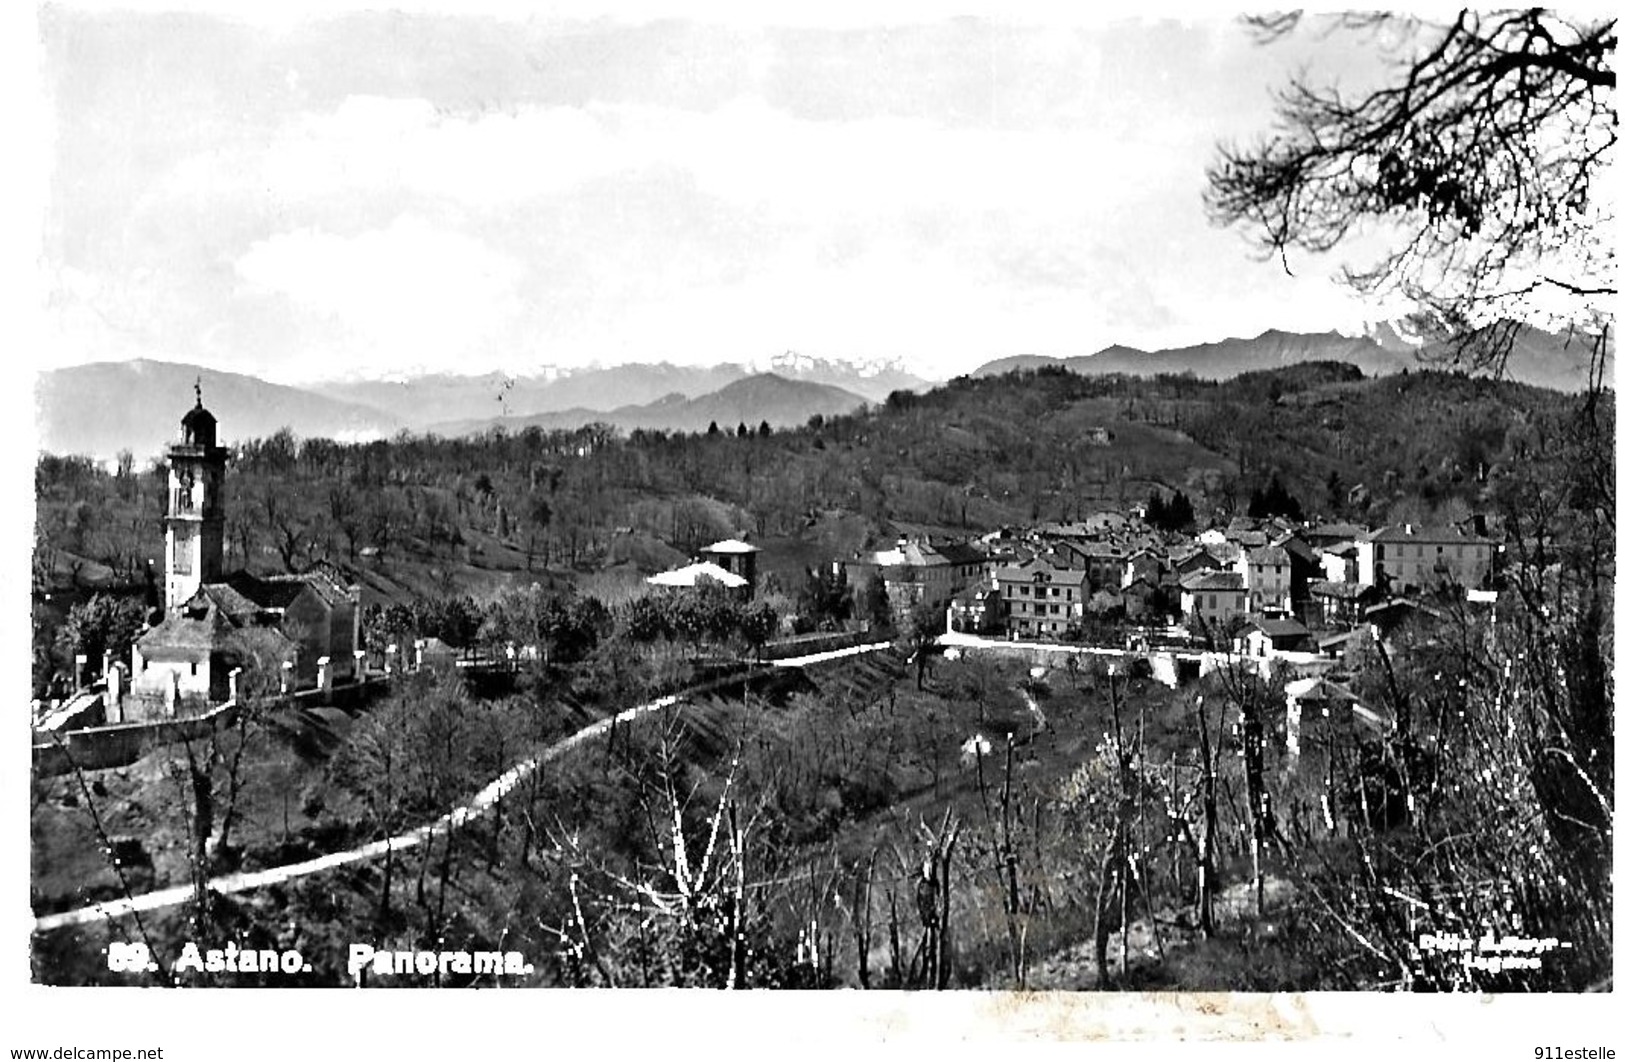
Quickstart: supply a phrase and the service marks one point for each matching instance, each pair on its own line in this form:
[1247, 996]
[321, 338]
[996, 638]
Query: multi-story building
[916, 573]
[1408, 557]
[1041, 597]
[1212, 599]
[1266, 571]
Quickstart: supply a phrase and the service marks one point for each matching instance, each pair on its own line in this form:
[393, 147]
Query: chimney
[1410, 530]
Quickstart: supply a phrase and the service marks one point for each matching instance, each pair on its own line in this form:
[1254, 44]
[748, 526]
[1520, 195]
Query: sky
[304, 196]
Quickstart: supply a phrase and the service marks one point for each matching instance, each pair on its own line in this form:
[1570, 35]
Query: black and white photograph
[1082, 524]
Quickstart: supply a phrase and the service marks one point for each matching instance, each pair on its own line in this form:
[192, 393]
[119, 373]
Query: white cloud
[406, 294]
[746, 153]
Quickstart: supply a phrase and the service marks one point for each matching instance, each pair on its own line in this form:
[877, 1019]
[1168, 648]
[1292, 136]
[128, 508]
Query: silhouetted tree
[1478, 152]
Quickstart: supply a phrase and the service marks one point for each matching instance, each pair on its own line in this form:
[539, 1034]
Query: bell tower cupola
[194, 529]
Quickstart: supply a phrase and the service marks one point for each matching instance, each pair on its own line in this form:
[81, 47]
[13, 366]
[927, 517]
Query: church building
[222, 632]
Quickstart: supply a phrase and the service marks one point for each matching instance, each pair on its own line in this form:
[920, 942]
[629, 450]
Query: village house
[1267, 574]
[1324, 535]
[977, 609]
[1041, 597]
[1144, 600]
[1408, 557]
[734, 555]
[1211, 599]
[916, 573]
[1338, 604]
[1304, 561]
[1145, 565]
[1340, 562]
[1192, 559]
[1100, 561]
[1265, 637]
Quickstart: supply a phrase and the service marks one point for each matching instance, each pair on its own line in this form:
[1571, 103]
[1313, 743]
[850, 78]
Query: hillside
[99, 409]
[1539, 359]
[474, 512]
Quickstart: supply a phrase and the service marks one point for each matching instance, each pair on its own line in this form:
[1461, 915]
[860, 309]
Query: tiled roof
[276, 592]
[1417, 533]
[1280, 628]
[961, 553]
[1212, 581]
[325, 586]
[1054, 573]
[199, 624]
[1269, 555]
[1335, 530]
[1342, 591]
[233, 602]
[1317, 688]
[976, 593]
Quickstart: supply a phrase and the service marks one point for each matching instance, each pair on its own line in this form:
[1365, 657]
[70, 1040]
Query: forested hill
[972, 455]
[1536, 357]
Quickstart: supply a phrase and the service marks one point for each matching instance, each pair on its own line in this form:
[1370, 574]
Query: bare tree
[1478, 152]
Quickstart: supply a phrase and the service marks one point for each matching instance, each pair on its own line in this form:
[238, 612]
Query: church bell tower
[194, 530]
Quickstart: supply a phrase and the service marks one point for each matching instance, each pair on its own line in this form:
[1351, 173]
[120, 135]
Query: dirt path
[476, 806]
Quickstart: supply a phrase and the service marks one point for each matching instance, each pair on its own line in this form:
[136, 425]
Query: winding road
[476, 806]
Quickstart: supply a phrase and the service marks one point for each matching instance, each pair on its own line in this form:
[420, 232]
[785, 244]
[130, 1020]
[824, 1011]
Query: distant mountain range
[1537, 358]
[781, 402]
[103, 408]
[433, 401]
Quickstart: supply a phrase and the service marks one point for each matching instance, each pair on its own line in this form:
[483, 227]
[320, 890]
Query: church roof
[216, 620]
[198, 417]
[242, 593]
[232, 601]
[199, 624]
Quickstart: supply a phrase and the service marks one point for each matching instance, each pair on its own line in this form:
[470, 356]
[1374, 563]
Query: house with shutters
[1041, 598]
[1267, 574]
[1405, 558]
[1210, 599]
[917, 573]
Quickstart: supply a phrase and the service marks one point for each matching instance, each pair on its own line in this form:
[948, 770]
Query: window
[182, 563]
[1212, 601]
